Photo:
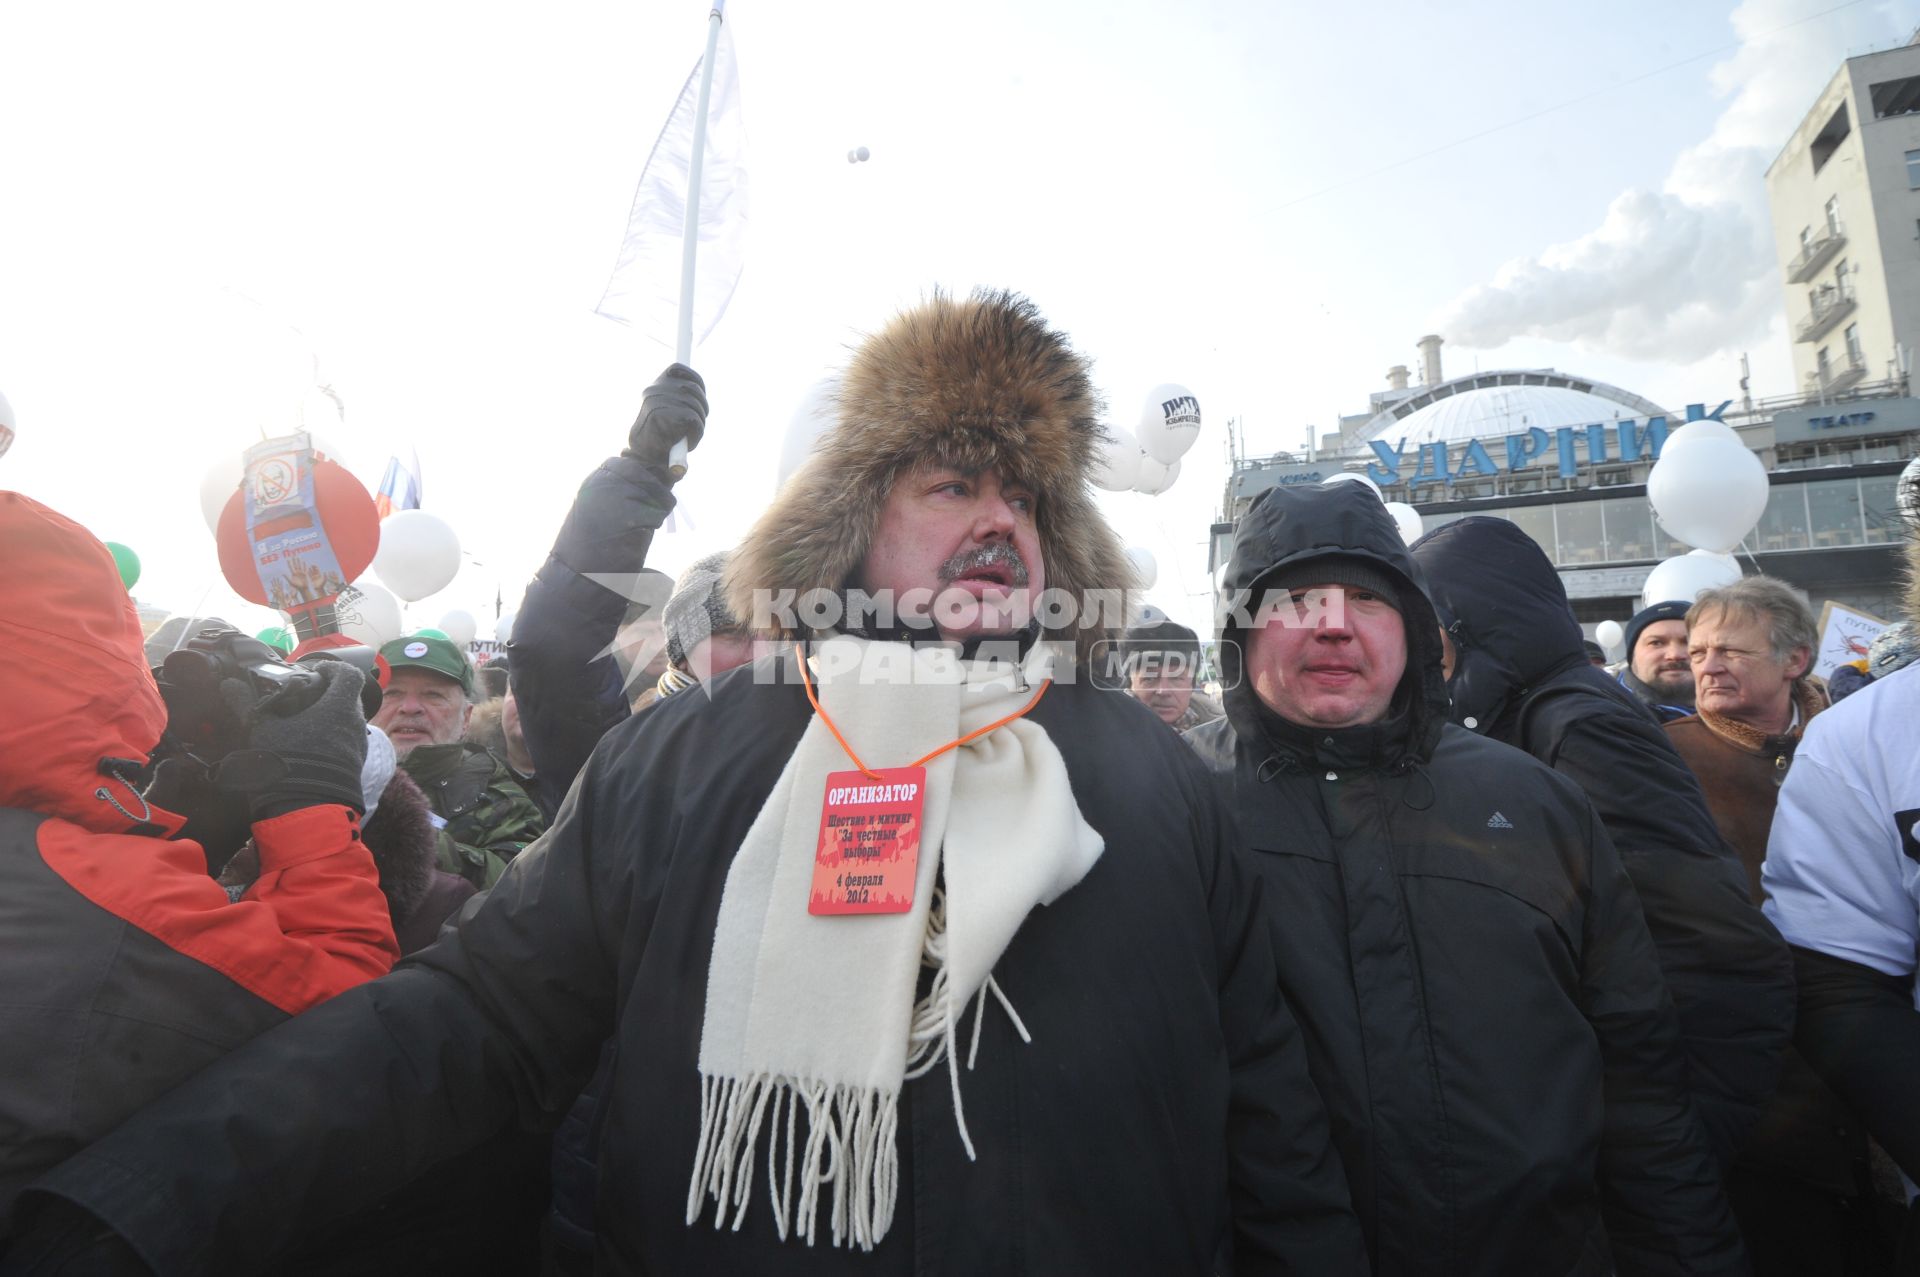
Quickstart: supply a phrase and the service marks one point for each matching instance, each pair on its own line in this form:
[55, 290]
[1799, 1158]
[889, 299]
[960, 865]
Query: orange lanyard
[918, 762]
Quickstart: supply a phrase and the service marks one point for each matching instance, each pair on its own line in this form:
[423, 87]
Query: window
[1913, 170]
[1629, 528]
[1580, 533]
[1831, 135]
[1880, 498]
[1537, 522]
[1833, 512]
[1784, 525]
[1854, 354]
[1896, 97]
[1823, 366]
[1806, 238]
[1833, 215]
[1840, 276]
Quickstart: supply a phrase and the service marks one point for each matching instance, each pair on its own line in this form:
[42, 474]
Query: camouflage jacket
[487, 816]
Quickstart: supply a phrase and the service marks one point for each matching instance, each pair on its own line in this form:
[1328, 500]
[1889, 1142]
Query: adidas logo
[1497, 821]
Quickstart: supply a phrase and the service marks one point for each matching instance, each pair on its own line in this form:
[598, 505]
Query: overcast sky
[1267, 202]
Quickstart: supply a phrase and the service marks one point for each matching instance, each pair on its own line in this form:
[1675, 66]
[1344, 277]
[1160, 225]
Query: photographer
[128, 969]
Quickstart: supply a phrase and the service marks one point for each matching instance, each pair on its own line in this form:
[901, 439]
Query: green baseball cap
[436, 654]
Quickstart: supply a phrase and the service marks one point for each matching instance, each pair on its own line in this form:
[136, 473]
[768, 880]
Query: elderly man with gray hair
[1751, 645]
[1799, 1186]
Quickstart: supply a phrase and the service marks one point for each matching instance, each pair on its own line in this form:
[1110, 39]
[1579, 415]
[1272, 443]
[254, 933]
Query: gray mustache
[991, 555]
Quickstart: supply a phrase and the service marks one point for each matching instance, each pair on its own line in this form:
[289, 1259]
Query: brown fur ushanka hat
[974, 384]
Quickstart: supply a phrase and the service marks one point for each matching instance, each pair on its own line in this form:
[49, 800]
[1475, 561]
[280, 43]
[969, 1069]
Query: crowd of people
[1380, 931]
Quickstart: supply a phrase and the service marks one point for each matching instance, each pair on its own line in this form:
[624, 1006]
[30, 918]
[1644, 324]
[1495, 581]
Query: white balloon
[810, 420]
[1169, 423]
[459, 626]
[418, 555]
[1146, 571]
[1610, 635]
[1116, 467]
[1683, 577]
[7, 425]
[1707, 488]
[503, 628]
[1705, 428]
[1354, 476]
[368, 613]
[1407, 519]
[1154, 477]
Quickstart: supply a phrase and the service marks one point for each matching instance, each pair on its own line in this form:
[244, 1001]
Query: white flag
[645, 288]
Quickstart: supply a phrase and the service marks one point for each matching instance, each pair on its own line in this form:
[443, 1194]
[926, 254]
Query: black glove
[315, 726]
[674, 408]
[62, 1240]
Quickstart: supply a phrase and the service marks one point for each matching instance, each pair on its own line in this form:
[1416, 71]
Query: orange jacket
[127, 966]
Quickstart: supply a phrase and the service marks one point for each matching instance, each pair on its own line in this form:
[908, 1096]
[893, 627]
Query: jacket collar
[1383, 746]
[1809, 699]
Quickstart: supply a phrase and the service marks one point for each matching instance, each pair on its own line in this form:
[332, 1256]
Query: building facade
[1845, 199]
[1567, 459]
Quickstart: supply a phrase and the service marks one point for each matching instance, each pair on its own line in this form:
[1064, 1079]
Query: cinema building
[1566, 458]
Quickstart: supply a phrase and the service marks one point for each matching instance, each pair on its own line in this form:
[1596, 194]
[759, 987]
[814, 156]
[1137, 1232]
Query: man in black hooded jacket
[1520, 677]
[1482, 1005]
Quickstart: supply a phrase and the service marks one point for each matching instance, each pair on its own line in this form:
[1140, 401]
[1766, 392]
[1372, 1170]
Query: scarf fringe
[930, 1036]
[851, 1147]
[851, 1141]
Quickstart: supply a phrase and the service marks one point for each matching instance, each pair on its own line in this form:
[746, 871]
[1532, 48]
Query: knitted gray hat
[1893, 650]
[698, 607]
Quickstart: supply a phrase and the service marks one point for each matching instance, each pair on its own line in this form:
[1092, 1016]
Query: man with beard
[1520, 677]
[1657, 670]
[1482, 1003]
[485, 816]
[787, 899]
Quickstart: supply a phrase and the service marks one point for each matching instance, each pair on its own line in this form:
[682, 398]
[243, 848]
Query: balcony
[1831, 304]
[1840, 378]
[1816, 254]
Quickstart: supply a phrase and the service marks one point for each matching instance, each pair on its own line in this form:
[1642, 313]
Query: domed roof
[1494, 405]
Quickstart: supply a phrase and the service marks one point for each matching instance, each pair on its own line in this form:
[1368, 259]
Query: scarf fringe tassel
[850, 1141]
[850, 1146]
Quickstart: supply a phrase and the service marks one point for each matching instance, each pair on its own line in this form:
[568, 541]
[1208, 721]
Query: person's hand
[315, 726]
[674, 408]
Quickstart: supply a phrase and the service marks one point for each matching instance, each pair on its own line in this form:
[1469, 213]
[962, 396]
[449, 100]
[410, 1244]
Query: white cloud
[1680, 274]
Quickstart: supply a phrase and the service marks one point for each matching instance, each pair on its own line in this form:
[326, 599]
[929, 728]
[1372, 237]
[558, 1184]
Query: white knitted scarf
[815, 1016]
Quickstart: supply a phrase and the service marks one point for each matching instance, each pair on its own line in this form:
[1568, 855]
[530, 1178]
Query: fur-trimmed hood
[968, 384]
[1913, 573]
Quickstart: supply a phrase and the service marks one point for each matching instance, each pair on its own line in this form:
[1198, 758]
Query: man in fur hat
[1021, 1016]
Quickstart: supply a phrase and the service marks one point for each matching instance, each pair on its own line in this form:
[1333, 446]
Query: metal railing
[1815, 254]
[1831, 304]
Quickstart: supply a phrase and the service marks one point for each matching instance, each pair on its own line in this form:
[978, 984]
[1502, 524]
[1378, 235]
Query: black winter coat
[1522, 678]
[1165, 1079]
[1483, 1008]
[568, 685]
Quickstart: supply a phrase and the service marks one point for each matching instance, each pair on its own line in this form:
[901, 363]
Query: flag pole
[690, 234]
